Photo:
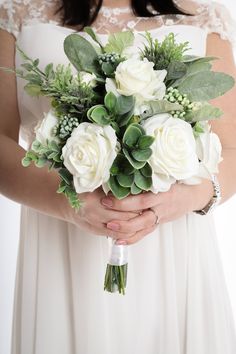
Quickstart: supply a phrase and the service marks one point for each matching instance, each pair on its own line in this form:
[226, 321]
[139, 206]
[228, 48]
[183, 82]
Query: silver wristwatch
[215, 200]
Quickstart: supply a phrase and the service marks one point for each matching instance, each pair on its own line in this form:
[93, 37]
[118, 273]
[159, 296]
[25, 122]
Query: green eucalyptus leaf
[36, 146]
[204, 86]
[146, 170]
[205, 112]
[124, 104]
[162, 106]
[142, 182]
[33, 89]
[176, 70]
[41, 162]
[145, 141]
[119, 41]
[99, 115]
[124, 119]
[110, 101]
[131, 135]
[141, 155]
[26, 161]
[49, 70]
[136, 164]
[198, 66]
[81, 53]
[135, 189]
[118, 191]
[125, 180]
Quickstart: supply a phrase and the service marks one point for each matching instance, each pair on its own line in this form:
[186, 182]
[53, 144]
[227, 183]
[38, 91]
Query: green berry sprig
[65, 127]
[174, 96]
[108, 58]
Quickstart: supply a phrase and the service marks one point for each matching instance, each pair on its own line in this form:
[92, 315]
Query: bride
[177, 301]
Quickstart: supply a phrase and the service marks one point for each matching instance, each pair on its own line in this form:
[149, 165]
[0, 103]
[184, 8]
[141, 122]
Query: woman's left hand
[156, 209]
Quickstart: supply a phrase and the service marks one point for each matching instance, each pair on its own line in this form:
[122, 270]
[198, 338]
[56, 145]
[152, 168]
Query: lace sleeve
[9, 17]
[15, 13]
[212, 16]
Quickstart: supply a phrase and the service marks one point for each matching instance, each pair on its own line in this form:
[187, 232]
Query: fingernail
[113, 226]
[121, 242]
[107, 202]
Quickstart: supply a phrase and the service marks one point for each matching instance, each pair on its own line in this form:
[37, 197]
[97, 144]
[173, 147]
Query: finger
[133, 202]
[143, 221]
[97, 215]
[103, 231]
[137, 237]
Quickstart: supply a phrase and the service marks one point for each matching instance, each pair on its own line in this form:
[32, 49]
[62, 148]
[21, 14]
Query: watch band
[215, 200]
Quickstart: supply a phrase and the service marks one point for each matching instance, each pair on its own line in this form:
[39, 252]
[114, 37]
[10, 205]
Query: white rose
[88, 79]
[138, 78]
[209, 153]
[89, 154]
[45, 129]
[173, 151]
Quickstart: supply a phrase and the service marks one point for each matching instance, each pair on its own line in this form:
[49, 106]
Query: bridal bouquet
[125, 119]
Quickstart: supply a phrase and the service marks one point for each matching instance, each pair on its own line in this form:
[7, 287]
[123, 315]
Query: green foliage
[165, 52]
[69, 95]
[41, 155]
[205, 112]
[206, 85]
[66, 187]
[81, 53]
[161, 106]
[116, 111]
[118, 42]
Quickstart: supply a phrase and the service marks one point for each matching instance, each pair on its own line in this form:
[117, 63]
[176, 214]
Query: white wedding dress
[176, 301]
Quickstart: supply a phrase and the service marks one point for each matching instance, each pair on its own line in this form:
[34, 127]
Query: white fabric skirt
[176, 300]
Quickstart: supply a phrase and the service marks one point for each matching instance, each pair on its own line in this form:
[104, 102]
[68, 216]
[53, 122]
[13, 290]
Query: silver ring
[157, 218]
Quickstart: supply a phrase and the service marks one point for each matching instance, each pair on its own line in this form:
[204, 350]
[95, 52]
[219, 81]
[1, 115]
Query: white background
[9, 226]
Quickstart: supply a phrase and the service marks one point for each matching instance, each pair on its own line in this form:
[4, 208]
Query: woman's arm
[225, 127]
[33, 186]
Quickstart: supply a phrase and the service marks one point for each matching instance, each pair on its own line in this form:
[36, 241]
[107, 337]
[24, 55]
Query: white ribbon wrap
[118, 254]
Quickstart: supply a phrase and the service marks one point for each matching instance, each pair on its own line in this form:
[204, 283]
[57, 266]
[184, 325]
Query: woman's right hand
[93, 216]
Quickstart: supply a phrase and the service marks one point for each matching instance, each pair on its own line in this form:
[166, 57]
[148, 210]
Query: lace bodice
[209, 15]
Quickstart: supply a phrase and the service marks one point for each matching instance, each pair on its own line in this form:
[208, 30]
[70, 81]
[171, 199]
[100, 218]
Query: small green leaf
[49, 71]
[26, 161]
[118, 41]
[110, 101]
[136, 164]
[41, 162]
[118, 191]
[141, 155]
[99, 115]
[65, 175]
[108, 69]
[132, 135]
[36, 145]
[125, 180]
[142, 182]
[32, 89]
[146, 170]
[61, 189]
[145, 141]
[135, 189]
[92, 34]
[124, 104]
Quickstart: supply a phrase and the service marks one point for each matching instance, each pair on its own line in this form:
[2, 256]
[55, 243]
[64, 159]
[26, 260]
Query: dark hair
[83, 12]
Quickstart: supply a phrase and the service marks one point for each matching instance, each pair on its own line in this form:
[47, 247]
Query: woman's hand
[167, 206]
[93, 216]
